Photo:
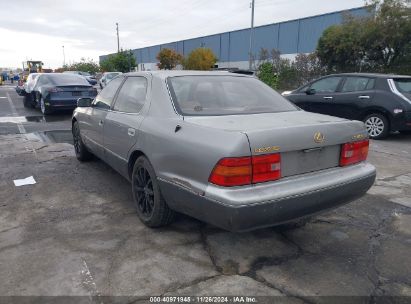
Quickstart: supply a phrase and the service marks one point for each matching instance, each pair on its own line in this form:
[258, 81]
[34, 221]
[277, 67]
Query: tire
[377, 126]
[101, 87]
[28, 101]
[80, 149]
[46, 110]
[151, 207]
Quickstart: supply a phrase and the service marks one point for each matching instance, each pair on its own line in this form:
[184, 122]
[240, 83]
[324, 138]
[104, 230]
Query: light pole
[64, 57]
[118, 39]
[251, 35]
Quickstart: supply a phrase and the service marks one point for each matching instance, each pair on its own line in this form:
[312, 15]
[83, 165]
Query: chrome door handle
[131, 132]
[100, 123]
[328, 97]
[364, 97]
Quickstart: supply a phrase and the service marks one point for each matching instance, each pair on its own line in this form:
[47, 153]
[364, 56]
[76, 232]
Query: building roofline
[256, 27]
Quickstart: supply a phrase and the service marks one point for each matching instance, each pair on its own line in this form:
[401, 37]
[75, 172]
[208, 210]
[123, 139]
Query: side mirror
[84, 102]
[310, 91]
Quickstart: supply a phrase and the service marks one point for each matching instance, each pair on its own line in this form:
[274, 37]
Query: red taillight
[234, 171]
[266, 168]
[239, 171]
[355, 152]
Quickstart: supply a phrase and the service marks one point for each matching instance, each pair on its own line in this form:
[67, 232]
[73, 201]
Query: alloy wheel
[144, 192]
[375, 126]
[76, 140]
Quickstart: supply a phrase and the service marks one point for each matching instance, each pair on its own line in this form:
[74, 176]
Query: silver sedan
[223, 148]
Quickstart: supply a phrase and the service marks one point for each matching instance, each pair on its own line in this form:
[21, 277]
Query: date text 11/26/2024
[203, 299]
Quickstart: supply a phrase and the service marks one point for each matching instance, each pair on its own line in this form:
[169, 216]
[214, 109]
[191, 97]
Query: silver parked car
[221, 147]
[107, 77]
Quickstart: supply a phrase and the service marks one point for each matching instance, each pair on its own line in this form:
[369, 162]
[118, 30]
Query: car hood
[263, 121]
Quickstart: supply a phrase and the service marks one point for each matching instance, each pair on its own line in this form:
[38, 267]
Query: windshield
[84, 73]
[112, 75]
[403, 84]
[67, 79]
[225, 95]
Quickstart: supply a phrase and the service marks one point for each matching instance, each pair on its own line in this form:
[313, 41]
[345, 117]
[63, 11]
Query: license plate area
[309, 160]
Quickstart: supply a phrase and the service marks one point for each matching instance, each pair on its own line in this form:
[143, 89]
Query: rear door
[123, 122]
[356, 93]
[95, 116]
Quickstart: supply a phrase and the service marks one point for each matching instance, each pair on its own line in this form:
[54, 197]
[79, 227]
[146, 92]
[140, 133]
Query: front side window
[225, 95]
[403, 85]
[106, 96]
[326, 85]
[112, 75]
[355, 84]
[132, 95]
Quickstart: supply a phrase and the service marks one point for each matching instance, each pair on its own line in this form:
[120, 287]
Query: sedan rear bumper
[272, 204]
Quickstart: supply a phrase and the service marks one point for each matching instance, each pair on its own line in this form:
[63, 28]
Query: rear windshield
[67, 79]
[403, 84]
[225, 95]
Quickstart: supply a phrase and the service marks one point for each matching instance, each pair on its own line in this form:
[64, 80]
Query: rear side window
[132, 95]
[403, 84]
[225, 95]
[326, 85]
[354, 84]
[106, 96]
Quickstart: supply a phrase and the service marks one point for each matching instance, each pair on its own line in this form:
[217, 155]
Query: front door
[95, 117]
[323, 94]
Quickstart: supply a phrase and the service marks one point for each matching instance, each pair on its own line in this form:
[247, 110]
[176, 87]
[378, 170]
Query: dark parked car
[90, 78]
[382, 102]
[60, 91]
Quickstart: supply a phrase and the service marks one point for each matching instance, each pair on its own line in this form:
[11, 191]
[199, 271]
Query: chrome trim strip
[394, 89]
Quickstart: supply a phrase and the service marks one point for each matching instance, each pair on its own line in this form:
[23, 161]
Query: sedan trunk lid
[307, 141]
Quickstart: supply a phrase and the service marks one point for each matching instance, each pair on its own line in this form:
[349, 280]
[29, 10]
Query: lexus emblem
[319, 137]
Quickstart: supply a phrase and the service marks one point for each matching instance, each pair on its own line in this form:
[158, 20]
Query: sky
[39, 29]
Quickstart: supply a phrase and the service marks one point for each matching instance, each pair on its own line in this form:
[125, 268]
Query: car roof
[374, 75]
[173, 73]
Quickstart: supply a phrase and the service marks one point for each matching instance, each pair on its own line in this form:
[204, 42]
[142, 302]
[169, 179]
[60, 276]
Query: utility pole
[251, 35]
[64, 57]
[118, 39]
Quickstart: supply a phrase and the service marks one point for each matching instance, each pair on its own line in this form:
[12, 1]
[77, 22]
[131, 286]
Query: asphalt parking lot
[75, 232]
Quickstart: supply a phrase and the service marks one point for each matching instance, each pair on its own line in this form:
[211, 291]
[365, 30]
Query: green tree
[283, 74]
[123, 61]
[83, 66]
[379, 43]
[267, 75]
[200, 59]
[168, 59]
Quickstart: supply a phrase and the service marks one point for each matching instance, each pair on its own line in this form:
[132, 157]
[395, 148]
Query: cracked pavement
[75, 232]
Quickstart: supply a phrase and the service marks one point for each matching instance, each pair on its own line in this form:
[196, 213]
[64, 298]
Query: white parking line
[22, 130]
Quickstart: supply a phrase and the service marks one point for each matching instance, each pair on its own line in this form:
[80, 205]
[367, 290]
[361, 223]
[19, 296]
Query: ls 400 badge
[267, 149]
